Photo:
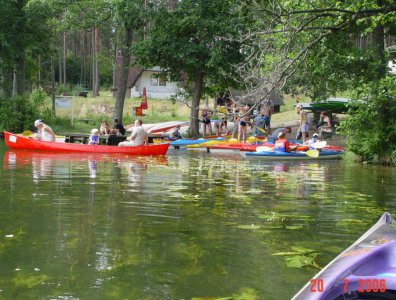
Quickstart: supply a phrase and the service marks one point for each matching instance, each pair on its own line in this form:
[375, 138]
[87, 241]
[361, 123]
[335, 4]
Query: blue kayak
[298, 155]
[365, 270]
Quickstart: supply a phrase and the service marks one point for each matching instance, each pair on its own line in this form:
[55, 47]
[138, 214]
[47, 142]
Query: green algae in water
[29, 280]
[244, 294]
[300, 257]
[250, 227]
[301, 261]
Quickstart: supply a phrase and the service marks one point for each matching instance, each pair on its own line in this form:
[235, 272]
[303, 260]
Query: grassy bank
[89, 112]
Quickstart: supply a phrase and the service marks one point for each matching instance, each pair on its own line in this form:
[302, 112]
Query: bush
[371, 127]
[18, 113]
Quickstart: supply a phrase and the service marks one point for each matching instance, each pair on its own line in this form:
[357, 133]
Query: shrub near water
[371, 127]
[18, 113]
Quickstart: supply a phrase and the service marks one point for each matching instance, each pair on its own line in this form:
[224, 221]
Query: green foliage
[371, 127]
[18, 113]
[197, 36]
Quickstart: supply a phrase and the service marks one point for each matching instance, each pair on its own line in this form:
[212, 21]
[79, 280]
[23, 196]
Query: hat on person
[255, 112]
[315, 135]
[298, 106]
[94, 130]
[38, 123]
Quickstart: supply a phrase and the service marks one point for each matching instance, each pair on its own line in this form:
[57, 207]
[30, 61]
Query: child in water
[94, 137]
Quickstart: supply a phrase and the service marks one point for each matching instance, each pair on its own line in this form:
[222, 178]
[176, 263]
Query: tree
[129, 20]
[314, 44]
[24, 36]
[308, 41]
[196, 40]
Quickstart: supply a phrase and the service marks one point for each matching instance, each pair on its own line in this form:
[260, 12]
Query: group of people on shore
[241, 116]
[324, 125]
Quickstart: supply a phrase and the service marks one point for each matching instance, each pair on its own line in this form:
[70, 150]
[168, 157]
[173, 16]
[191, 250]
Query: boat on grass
[15, 141]
[365, 270]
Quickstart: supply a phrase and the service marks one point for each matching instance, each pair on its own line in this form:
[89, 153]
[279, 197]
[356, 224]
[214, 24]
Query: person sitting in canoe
[314, 139]
[119, 127]
[138, 137]
[282, 144]
[94, 137]
[175, 135]
[105, 128]
[274, 136]
[44, 132]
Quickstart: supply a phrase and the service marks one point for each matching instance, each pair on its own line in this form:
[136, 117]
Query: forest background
[311, 48]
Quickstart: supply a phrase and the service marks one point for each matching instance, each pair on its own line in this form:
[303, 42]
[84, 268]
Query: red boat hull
[15, 141]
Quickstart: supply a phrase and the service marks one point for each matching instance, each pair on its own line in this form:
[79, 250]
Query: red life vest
[281, 145]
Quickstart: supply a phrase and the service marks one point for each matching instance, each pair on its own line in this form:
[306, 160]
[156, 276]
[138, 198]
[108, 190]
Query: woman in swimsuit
[206, 121]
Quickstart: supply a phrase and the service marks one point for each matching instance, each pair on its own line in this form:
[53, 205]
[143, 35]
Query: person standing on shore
[243, 122]
[303, 124]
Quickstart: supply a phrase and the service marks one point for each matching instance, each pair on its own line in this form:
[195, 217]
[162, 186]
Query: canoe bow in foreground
[368, 265]
[15, 141]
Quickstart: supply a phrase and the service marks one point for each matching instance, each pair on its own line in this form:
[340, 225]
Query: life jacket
[280, 145]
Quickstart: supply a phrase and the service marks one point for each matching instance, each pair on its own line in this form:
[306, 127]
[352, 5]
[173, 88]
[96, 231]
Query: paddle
[312, 153]
[260, 129]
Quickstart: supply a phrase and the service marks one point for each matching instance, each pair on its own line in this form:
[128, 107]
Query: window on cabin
[154, 80]
[162, 80]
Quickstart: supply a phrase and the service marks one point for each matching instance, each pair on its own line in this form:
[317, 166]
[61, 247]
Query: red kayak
[15, 141]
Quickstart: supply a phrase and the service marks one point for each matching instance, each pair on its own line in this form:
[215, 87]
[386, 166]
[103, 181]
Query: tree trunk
[39, 71]
[379, 45]
[60, 71]
[115, 67]
[194, 114]
[19, 75]
[14, 84]
[53, 87]
[125, 61]
[64, 58]
[95, 70]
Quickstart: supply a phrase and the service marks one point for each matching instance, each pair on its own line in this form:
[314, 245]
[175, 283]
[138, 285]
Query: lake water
[190, 225]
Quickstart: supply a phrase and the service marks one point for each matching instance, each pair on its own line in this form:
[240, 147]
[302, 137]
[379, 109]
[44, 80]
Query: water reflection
[190, 225]
[62, 165]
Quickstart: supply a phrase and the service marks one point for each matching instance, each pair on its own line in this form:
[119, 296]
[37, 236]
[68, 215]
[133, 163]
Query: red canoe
[15, 141]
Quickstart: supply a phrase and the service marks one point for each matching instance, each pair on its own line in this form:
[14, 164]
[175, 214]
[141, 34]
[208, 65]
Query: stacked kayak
[365, 270]
[298, 155]
[187, 142]
[227, 145]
